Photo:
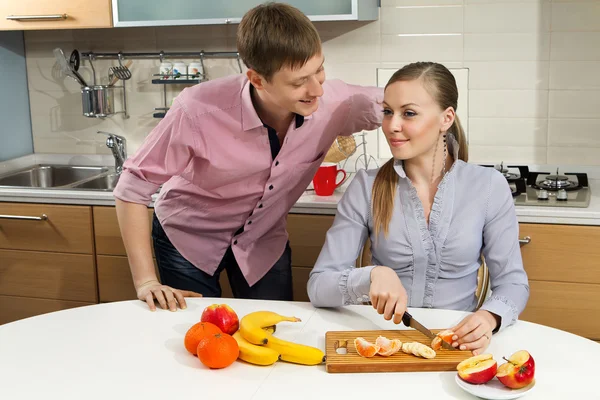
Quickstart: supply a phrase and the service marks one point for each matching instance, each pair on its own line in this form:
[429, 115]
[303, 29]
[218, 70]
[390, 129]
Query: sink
[50, 176]
[104, 182]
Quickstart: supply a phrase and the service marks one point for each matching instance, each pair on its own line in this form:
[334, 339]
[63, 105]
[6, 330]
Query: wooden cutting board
[445, 360]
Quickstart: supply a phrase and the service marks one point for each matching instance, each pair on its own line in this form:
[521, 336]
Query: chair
[483, 275]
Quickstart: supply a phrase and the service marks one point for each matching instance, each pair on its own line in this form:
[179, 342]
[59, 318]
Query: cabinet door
[13, 308]
[561, 253]
[66, 229]
[56, 276]
[192, 12]
[57, 14]
[115, 282]
[107, 233]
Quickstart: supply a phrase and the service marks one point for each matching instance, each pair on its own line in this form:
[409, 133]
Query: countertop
[121, 350]
[309, 202]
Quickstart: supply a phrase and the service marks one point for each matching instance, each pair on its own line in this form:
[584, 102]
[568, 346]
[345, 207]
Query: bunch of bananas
[258, 345]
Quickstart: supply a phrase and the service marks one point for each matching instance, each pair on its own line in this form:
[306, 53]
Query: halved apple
[518, 371]
[477, 369]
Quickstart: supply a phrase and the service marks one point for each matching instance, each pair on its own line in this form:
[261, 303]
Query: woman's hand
[475, 332]
[165, 295]
[387, 294]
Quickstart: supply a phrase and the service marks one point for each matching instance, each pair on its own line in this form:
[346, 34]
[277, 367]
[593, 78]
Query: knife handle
[406, 317]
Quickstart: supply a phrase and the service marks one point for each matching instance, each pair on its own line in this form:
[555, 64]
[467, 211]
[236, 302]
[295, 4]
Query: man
[234, 155]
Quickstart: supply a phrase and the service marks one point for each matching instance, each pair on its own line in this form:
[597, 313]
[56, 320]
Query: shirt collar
[250, 118]
[453, 148]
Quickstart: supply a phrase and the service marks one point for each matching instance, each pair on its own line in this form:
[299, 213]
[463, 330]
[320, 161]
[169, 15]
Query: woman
[430, 216]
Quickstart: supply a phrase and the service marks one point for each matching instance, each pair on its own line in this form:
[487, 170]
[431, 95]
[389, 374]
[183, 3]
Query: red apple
[477, 369]
[518, 371]
[222, 316]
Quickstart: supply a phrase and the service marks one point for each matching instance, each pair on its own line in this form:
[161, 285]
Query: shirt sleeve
[502, 254]
[366, 109]
[335, 281]
[166, 152]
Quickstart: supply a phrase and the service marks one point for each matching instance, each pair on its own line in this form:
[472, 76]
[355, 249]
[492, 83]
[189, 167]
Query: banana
[418, 349]
[251, 325]
[295, 352]
[254, 354]
[271, 329]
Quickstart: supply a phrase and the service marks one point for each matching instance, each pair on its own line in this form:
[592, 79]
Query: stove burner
[555, 182]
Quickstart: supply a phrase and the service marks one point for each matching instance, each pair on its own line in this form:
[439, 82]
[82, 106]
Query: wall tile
[508, 103]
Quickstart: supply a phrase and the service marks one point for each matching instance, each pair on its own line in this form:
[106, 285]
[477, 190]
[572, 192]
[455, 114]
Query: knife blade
[410, 322]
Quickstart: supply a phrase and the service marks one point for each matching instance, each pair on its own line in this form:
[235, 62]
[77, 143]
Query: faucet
[118, 145]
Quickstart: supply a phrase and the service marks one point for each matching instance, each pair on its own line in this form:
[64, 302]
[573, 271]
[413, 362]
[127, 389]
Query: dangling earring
[445, 155]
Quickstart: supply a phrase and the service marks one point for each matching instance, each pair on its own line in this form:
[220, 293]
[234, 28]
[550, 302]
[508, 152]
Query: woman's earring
[445, 154]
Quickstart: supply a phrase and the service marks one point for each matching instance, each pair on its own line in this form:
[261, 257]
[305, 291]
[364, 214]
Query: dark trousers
[179, 273]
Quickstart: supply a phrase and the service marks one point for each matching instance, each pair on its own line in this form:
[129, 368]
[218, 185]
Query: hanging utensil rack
[161, 55]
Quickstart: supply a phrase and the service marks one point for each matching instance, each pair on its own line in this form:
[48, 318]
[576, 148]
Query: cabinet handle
[525, 240]
[50, 17]
[44, 217]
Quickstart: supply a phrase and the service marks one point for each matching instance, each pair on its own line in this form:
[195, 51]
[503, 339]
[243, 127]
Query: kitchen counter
[122, 350]
[309, 202]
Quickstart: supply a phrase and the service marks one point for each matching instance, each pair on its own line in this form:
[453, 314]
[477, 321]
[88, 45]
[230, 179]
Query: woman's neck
[428, 169]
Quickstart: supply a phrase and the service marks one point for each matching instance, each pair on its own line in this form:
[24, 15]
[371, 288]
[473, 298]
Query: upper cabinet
[56, 14]
[194, 12]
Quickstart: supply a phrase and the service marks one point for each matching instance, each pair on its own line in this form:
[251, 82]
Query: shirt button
[276, 163]
[235, 242]
[260, 206]
[271, 187]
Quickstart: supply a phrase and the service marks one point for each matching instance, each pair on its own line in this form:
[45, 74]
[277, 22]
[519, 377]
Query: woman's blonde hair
[441, 85]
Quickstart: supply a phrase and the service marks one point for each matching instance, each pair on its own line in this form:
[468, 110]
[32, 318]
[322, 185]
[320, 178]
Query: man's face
[297, 90]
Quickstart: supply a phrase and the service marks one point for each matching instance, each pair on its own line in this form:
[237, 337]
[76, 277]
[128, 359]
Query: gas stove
[545, 189]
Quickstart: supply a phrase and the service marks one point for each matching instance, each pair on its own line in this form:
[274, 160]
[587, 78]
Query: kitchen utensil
[74, 60]
[112, 77]
[66, 66]
[121, 71]
[97, 101]
[409, 321]
[325, 179]
[493, 390]
[351, 361]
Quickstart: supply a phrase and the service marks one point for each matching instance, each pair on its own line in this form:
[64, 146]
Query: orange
[446, 336]
[218, 350]
[196, 333]
[387, 347]
[365, 348]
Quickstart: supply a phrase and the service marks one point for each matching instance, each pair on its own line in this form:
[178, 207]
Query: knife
[410, 322]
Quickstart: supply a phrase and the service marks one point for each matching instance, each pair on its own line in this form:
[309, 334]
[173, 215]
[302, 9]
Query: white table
[123, 351]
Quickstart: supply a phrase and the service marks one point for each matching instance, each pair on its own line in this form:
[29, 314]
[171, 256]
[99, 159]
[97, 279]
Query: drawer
[563, 253]
[300, 280]
[80, 14]
[572, 307]
[307, 236]
[107, 233]
[13, 308]
[114, 279]
[48, 275]
[67, 228]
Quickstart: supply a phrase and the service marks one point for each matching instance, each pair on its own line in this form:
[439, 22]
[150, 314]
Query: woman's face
[413, 121]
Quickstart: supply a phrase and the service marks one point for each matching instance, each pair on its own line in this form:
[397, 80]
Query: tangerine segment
[446, 336]
[365, 348]
[388, 347]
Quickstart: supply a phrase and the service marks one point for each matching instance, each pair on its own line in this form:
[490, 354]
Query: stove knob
[543, 194]
[561, 195]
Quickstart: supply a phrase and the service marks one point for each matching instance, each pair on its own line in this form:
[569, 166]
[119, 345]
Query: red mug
[325, 180]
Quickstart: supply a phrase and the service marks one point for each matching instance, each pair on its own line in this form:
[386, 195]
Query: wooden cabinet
[74, 256]
[46, 259]
[563, 266]
[57, 14]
